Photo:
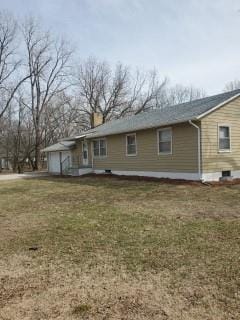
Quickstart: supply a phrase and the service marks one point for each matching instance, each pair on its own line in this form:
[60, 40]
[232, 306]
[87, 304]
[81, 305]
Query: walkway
[14, 176]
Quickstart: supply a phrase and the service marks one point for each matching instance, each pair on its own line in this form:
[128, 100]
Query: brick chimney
[97, 119]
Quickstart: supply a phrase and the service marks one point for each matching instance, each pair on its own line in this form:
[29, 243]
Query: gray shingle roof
[169, 115]
[60, 146]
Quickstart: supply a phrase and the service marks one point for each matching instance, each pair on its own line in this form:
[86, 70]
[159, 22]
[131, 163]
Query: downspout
[48, 155]
[60, 159]
[199, 149]
[91, 146]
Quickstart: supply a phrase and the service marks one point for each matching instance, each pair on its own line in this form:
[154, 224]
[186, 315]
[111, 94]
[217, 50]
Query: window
[131, 144]
[85, 150]
[224, 138]
[226, 173]
[99, 148]
[165, 141]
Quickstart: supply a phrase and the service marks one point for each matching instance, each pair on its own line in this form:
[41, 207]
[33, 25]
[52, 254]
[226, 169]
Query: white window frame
[99, 156]
[158, 141]
[230, 138]
[129, 135]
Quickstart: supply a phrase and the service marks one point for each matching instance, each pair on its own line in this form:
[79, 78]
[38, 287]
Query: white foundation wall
[81, 172]
[215, 176]
[207, 177]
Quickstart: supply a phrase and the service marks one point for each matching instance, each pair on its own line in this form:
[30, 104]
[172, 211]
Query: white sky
[190, 41]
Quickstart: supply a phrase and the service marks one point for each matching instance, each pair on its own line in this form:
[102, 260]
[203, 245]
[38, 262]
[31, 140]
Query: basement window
[226, 174]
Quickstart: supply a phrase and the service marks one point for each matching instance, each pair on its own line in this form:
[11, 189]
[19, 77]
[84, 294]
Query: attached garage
[59, 157]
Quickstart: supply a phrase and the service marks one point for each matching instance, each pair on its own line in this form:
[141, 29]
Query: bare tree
[5, 135]
[63, 118]
[232, 85]
[47, 64]
[146, 92]
[16, 140]
[181, 94]
[98, 90]
[10, 64]
[115, 93]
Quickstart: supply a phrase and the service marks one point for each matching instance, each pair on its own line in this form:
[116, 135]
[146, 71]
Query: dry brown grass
[111, 248]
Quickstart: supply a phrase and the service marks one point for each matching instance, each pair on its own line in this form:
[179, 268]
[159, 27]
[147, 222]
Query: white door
[54, 162]
[85, 153]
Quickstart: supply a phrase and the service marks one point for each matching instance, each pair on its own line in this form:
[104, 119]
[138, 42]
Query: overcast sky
[190, 41]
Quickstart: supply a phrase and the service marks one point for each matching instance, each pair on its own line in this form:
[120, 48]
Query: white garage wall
[54, 161]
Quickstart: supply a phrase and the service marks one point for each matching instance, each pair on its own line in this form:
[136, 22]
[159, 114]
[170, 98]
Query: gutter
[73, 138]
[199, 149]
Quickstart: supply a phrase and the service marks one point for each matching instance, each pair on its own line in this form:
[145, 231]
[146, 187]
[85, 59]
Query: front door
[85, 153]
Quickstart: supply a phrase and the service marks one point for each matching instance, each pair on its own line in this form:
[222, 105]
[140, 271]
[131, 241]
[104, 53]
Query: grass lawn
[118, 249]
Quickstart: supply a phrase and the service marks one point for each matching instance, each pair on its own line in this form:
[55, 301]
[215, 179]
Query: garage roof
[60, 146]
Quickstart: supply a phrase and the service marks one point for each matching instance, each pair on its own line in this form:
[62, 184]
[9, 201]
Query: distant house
[199, 140]
[5, 162]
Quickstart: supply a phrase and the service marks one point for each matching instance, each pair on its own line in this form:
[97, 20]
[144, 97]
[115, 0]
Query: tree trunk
[37, 152]
[37, 158]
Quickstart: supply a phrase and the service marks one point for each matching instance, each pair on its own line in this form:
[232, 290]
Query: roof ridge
[162, 116]
[212, 97]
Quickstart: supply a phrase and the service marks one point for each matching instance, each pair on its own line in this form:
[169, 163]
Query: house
[5, 163]
[198, 140]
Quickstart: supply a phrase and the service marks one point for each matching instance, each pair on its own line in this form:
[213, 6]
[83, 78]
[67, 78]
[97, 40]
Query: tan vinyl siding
[182, 159]
[212, 159]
